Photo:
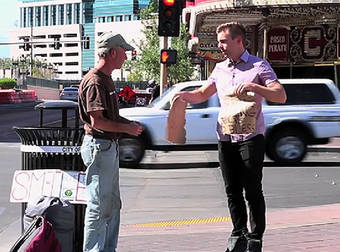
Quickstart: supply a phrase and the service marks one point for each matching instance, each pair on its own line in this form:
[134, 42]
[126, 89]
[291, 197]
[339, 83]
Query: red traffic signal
[169, 18]
[133, 55]
[168, 56]
[169, 2]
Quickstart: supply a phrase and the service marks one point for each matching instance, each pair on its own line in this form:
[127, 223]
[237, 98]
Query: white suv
[311, 115]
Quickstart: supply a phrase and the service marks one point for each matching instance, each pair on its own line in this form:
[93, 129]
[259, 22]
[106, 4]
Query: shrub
[7, 83]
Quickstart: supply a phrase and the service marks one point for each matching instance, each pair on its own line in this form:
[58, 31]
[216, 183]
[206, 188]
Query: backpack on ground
[38, 237]
[58, 213]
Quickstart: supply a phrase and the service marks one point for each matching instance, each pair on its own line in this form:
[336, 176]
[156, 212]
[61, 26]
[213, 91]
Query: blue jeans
[102, 216]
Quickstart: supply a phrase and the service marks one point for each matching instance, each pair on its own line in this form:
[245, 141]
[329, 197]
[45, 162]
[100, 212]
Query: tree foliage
[7, 83]
[146, 66]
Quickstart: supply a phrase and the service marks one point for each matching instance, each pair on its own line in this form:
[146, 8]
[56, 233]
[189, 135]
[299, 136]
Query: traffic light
[27, 45]
[133, 55]
[168, 56]
[169, 17]
[56, 43]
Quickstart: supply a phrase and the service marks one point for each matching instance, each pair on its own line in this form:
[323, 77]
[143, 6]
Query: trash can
[55, 147]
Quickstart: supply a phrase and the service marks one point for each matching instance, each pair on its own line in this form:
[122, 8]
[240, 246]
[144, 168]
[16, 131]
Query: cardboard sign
[67, 185]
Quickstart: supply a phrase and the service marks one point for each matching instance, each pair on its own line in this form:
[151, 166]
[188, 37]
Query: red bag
[39, 237]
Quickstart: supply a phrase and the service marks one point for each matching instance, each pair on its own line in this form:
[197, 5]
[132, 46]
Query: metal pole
[164, 69]
[265, 42]
[336, 76]
[31, 66]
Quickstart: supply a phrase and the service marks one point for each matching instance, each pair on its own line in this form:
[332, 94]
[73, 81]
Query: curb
[324, 149]
[19, 105]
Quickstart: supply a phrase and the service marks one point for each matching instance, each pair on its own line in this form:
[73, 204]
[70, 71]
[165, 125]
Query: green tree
[7, 83]
[146, 66]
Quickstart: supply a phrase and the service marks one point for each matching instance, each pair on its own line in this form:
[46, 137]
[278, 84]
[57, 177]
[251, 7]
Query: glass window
[71, 64]
[127, 18]
[45, 16]
[101, 20]
[190, 105]
[135, 17]
[60, 14]
[68, 13]
[77, 13]
[119, 18]
[24, 17]
[110, 19]
[307, 94]
[37, 16]
[53, 15]
[88, 12]
[30, 16]
[86, 42]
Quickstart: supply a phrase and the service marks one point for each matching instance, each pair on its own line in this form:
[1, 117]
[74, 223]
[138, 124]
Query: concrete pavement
[314, 228]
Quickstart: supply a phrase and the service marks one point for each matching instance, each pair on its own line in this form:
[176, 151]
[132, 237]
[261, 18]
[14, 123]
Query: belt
[100, 137]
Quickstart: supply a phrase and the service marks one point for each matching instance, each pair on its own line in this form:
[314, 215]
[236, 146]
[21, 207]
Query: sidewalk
[309, 229]
[312, 229]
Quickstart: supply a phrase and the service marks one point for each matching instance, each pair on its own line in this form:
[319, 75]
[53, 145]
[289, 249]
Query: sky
[8, 18]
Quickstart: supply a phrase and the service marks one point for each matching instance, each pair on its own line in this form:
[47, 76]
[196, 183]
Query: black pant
[242, 164]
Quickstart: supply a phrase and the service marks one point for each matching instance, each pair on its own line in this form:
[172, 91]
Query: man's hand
[244, 87]
[134, 128]
[180, 96]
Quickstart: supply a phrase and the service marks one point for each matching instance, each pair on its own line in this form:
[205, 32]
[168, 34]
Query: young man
[98, 108]
[241, 154]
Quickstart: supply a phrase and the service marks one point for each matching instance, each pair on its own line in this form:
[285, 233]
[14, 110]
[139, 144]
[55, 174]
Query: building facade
[63, 32]
[300, 38]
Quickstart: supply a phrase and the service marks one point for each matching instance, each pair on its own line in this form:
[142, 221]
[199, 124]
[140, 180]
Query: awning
[217, 6]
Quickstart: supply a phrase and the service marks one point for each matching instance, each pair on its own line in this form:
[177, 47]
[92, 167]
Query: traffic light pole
[164, 69]
[31, 40]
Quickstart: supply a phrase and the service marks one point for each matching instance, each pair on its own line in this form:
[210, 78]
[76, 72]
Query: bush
[7, 83]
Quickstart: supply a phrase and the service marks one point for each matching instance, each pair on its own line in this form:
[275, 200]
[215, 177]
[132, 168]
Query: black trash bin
[44, 148]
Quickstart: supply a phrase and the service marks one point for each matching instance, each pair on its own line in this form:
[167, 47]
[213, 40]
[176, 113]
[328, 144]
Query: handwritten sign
[29, 184]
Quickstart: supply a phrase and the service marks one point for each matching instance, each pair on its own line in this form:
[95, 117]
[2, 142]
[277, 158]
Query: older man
[98, 108]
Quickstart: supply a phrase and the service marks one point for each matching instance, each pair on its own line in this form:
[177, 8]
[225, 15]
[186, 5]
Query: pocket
[103, 145]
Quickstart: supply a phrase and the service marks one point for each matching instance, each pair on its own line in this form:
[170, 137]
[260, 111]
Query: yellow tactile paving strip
[184, 222]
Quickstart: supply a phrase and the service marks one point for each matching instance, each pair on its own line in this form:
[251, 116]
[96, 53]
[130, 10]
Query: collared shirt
[227, 75]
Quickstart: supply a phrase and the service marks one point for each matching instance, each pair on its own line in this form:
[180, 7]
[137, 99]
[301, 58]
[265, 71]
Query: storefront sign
[278, 44]
[67, 185]
[208, 45]
[313, 43]
[210, 55]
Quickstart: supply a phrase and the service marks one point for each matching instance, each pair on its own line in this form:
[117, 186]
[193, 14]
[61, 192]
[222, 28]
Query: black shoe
[237, 244]
[254, 245]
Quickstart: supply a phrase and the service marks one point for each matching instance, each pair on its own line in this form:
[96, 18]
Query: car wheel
[288, 146]
[131, 151]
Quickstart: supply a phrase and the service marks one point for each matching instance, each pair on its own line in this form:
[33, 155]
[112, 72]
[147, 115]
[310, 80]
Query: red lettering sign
[278, 44]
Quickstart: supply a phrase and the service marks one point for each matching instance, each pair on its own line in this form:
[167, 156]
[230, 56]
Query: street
[153, 194]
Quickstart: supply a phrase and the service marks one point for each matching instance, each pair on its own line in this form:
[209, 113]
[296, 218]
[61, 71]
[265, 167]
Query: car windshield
[70, 89]
[159, 99]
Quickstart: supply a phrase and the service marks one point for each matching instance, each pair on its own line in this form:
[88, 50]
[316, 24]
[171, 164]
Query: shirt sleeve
[212, 77]
[267, 74]
[95, 98]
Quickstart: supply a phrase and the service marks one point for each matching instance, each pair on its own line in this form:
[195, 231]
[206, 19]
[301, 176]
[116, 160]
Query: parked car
[69, 93]
[310, 116]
